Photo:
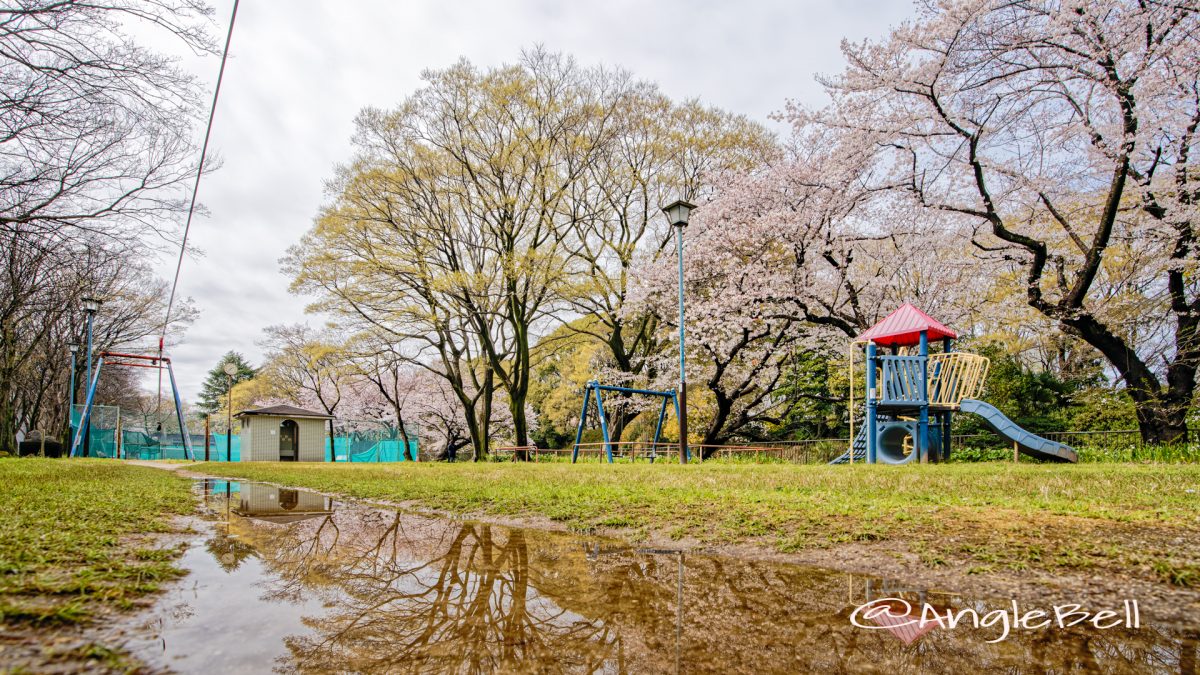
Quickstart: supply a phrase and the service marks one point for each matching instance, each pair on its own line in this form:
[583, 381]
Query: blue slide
[1029, 443]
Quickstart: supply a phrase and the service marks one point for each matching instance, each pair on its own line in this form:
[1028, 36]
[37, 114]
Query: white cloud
[300, 71]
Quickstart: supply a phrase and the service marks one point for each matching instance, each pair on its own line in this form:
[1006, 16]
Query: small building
[280, 505]
[283, 433]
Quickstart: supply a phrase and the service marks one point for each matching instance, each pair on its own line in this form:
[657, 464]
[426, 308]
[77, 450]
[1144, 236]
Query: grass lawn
[1139, 520]
[72, 536]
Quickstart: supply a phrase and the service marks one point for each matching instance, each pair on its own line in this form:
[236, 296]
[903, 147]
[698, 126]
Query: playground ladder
[859, 447]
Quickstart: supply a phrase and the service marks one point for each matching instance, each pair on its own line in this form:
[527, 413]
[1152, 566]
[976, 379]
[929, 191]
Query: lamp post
[91, 305]
[74, 347]
[677, 214]
[230, 369]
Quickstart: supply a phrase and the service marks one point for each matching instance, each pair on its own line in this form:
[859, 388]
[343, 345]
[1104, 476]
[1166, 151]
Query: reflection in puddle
[279, 505]
[286, 581]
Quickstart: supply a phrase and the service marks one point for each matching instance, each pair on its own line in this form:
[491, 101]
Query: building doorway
[289, 499]
[289, 441]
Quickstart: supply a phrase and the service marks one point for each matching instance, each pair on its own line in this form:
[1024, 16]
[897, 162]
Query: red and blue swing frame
[131, 361]
[596, 387]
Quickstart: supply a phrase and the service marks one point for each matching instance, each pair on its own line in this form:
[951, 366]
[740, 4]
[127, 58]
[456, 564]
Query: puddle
[288, 580]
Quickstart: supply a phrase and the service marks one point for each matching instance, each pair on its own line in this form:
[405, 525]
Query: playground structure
[129, 361]
[911, 398]
[594, 387]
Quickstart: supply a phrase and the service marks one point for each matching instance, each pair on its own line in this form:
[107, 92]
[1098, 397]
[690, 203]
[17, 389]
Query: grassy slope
[68, 536]
[1138, 519]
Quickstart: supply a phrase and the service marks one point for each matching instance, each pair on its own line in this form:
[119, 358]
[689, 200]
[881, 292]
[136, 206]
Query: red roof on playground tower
[902, 328]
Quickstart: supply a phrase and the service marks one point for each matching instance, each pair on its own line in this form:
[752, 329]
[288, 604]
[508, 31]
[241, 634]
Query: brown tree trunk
[712, 434]
[1161, 421]
[1161, 411]
[520, 429]
[8, 427]
[403, 431]
[483, 434]
[8, 412]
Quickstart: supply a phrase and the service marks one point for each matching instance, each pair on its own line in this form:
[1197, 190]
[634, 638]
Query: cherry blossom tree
[365, 383]
[1064, 132]
[389, 387]
[309, 367]
[803, 255]
[433, 404]
[663, 151]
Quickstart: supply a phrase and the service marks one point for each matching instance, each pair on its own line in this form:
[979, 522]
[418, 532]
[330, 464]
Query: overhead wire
[187, 227]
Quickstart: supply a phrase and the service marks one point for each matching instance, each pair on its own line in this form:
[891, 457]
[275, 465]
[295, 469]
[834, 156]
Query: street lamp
[91, 305]
[677, 215]
[230, 369]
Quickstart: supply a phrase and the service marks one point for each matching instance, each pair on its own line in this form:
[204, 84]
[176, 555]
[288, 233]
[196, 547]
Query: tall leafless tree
[96, 144]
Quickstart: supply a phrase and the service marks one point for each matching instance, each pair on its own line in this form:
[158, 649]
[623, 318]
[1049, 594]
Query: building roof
[285, 411]
[903, 327]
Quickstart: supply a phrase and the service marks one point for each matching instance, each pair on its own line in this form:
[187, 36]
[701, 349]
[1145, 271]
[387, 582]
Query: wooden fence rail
[811, 451]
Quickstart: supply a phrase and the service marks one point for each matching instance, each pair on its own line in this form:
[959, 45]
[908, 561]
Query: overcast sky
[299, 71]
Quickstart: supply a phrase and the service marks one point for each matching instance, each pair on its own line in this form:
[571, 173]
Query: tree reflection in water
[421, 595]
[411, 593]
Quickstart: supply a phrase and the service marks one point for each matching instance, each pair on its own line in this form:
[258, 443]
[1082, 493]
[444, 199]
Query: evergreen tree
[216, 384]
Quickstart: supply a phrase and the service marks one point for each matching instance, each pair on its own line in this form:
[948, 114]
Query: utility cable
[195, 189]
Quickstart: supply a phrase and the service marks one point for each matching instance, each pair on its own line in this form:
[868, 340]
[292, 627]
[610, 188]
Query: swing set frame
[131, 361]
[595, 387]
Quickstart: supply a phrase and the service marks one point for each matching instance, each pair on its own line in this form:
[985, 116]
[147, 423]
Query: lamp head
[73, 347]
[91, 305]
[678, 212]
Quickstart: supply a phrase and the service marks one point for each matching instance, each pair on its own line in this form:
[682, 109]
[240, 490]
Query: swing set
[594, 387]
[158, 363]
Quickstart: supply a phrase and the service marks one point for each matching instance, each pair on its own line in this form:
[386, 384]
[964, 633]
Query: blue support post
[872, 422]
[684, 453]
[87, 436]
[71, 398]
[87, 409]
[187, 439]
[923, 425]
[658, 429]
[604, 426]
[89, 347]
[587, 392]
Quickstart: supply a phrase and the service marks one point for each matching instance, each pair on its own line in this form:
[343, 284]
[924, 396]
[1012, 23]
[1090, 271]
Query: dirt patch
[953, 570]
[963, 558]
[1164, 603]
[966, 553]
[68, 649]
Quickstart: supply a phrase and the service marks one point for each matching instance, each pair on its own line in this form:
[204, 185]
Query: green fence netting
[101, 440]
[358, 442]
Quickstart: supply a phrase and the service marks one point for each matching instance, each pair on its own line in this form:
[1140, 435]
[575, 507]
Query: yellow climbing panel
[955, 376]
